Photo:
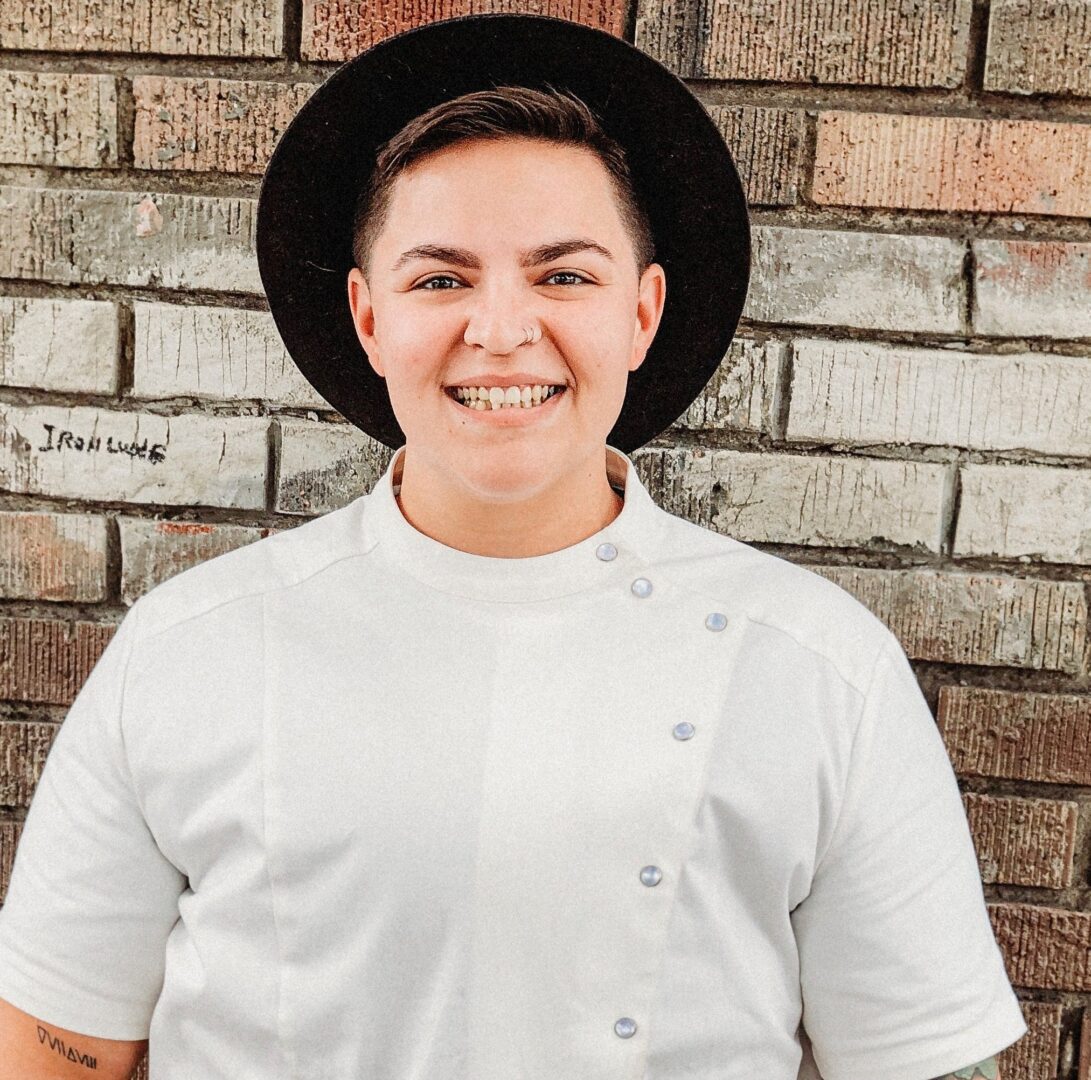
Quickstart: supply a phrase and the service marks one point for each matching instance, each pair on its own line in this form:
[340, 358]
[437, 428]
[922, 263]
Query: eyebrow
[534, 257]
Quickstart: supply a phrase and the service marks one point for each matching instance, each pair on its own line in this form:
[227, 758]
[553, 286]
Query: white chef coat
[351, 803]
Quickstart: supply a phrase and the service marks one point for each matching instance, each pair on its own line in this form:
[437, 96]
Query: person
[500, 770]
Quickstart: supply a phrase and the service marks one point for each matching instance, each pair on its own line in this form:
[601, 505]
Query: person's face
[462, 268]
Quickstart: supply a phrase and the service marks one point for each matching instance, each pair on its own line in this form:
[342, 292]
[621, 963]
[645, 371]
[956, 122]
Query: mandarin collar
[581, 566]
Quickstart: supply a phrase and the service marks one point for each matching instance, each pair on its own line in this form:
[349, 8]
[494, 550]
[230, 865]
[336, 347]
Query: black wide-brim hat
[681, 168]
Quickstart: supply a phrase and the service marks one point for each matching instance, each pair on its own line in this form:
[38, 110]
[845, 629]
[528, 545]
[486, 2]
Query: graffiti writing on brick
[71, 441]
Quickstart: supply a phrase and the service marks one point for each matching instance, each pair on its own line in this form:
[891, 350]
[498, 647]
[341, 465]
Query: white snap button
[716, 621]
[642, 587]
[651, 875]
[683, 730]
[625, 1027]
[606, 552]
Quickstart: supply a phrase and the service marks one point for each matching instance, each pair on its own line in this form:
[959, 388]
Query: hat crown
[682, 171]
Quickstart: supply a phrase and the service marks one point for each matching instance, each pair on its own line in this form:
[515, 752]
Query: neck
[555, 517]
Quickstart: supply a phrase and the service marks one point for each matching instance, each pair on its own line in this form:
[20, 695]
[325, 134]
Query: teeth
[499, 397]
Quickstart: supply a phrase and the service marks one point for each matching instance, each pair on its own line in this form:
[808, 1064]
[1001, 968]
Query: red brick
[766, 145]
[1036, 1055]
[10, 831]
[1037, 47]
[339, 29]
[953, 163]
[1023, 841]
[24, 747]
[1017, 735]
[1046, 948]
[48, 660]
[47, 556]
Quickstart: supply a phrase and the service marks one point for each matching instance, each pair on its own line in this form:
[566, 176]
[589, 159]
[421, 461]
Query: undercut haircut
[553, 115]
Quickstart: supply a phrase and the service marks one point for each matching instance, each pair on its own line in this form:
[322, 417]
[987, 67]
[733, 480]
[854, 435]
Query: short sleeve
[901, 975]
[91, 899]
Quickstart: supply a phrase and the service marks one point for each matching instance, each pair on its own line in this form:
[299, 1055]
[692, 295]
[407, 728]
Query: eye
[435, 277]
[427, 283]
[580, 279]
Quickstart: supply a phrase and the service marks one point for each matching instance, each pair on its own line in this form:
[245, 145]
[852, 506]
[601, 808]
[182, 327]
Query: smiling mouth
[487, 405]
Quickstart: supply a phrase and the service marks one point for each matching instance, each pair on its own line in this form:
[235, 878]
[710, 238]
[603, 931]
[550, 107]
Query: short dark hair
[553, 115]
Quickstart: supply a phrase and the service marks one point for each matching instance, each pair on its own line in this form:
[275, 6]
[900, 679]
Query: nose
[499, 318]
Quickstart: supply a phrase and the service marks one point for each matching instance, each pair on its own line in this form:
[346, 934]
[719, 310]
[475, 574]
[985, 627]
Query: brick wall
[906, 408]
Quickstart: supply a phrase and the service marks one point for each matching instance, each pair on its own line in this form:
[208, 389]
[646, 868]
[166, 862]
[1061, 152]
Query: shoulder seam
[130, 648]
[256, 592]
[825, 657]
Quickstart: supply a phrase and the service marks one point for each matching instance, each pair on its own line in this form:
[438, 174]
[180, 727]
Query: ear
[651, 298]
[363, 318]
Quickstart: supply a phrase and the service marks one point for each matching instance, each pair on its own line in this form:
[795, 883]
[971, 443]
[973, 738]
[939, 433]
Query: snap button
[606, 552]
[625, 1027]
[651, 875]
[642, 587]
[716, 621]
[683, 730]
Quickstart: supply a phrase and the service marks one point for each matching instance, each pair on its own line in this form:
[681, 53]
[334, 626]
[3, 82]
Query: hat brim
[681, 167]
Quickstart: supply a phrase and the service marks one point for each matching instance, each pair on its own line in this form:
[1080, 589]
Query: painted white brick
[743, 393]
[1010, 511]
[66, 345]
[883, 43]
[216, 352]
[872, 392]
[128, 238]
[867, 280]
[187, 28]
[58, 118]
[153, 550]
[323, 466]
[800, 499]
[1029, 288]
[85, 452]
[974, 618]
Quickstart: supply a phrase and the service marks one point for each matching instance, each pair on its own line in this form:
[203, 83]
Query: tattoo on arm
[987, 1069]
[70, 1053]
